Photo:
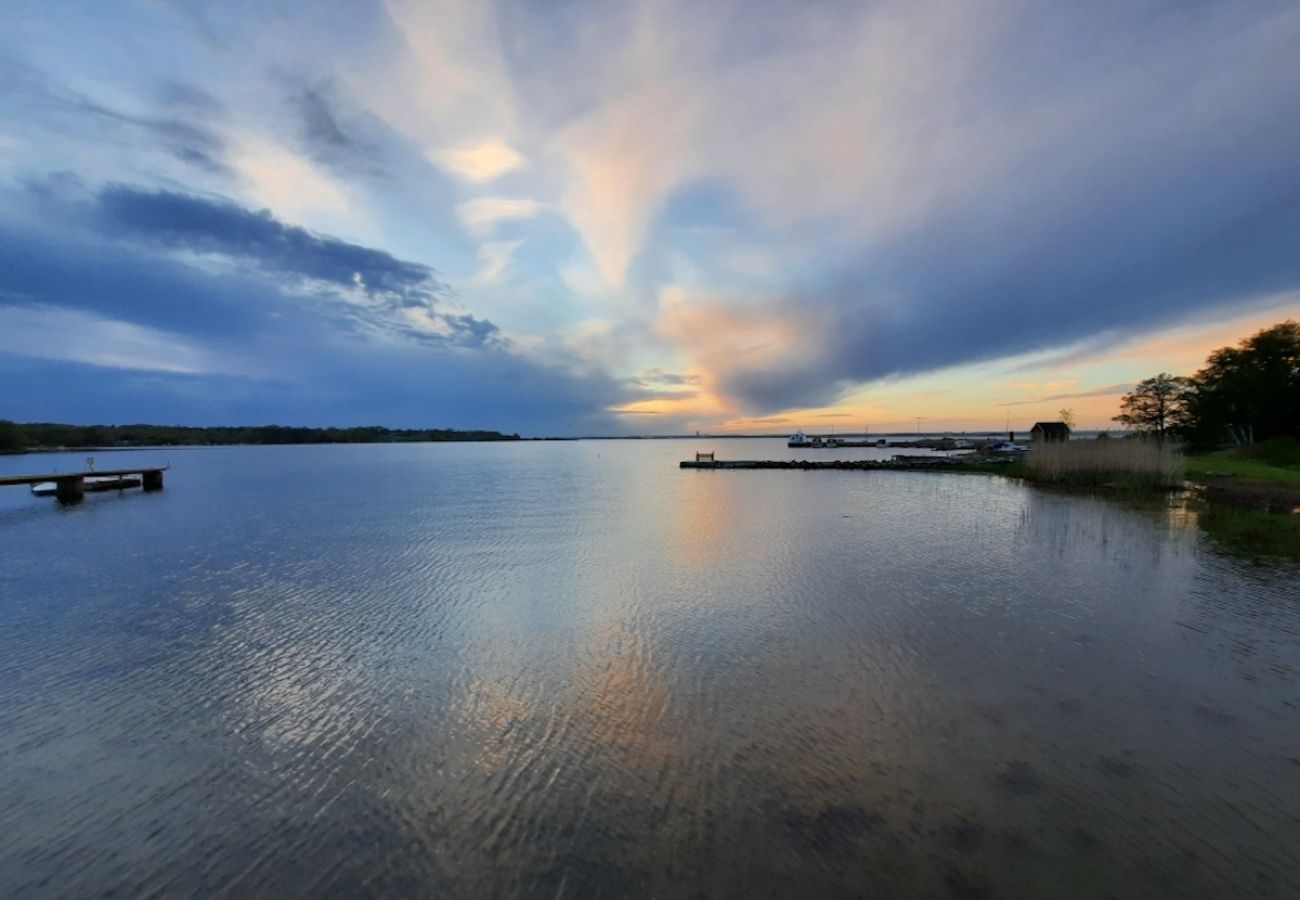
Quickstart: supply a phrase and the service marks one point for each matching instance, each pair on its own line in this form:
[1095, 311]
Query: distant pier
[69, 487]
[898, 463]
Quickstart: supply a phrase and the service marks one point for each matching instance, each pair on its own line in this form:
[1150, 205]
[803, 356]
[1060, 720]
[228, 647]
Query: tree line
[46, 435]
[1245, 394]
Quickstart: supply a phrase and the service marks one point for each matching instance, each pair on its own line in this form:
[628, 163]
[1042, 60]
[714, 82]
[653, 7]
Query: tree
[1250, 392]
[1067, 416]
[1157, 405]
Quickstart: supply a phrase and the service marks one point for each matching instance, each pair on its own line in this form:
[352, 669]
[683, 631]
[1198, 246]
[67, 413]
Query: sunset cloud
[481, 162]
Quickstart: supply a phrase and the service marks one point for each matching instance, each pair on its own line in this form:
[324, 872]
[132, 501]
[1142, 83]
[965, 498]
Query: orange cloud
[719, 338]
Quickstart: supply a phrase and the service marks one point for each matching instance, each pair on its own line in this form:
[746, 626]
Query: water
[571, 669]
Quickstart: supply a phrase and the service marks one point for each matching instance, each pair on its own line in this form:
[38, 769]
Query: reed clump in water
[1129, 463]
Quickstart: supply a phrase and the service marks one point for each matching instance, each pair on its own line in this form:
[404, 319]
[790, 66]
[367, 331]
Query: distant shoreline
[45, 437]
[48, 437]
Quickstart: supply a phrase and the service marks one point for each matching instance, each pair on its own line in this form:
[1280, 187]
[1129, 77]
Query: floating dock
[70, 487]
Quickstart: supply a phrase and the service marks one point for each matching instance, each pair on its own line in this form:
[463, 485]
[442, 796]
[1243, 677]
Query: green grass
[1276, 461]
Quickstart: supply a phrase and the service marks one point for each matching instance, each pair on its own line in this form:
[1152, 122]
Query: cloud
[481, 162]
[728, 339]
[180, 130]
[81, 337]
[215, 225]
[53, 264]
[1119, 192]
[288, 182]
[1109, 390]
[624, 168]
[240, 251]
[174, 94]
[494, 257]
[328, 140]
[323, 384]
[658, 378]
[350, 271]
[481, 214]
[937, 206]
[806, 116]
[132, 304]
[657, 392]
[439, 76]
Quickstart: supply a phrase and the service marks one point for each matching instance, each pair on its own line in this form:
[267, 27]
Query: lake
[572, 669]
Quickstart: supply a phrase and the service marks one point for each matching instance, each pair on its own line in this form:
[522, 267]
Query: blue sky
[573, 218]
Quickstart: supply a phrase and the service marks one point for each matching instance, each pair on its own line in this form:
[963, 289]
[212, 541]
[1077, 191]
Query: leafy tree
[1250, 392]
[1157, 405]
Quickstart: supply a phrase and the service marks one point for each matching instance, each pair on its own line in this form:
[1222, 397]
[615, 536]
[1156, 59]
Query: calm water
[571, 669]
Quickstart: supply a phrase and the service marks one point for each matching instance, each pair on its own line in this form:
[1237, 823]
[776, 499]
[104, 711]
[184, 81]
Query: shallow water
[572, 669]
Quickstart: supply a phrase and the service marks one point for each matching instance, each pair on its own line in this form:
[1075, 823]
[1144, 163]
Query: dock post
[70, 490]
[152, 480]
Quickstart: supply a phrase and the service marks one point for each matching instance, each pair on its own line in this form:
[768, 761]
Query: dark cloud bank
[1177, 195]
[317, 325]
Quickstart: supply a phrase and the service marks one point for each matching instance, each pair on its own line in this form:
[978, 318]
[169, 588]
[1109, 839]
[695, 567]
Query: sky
[636, 218]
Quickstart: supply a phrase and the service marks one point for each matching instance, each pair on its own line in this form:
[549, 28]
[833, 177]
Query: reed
[1132, 462]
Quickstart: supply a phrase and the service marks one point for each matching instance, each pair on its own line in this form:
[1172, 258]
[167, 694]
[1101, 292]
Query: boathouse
[1049, 432]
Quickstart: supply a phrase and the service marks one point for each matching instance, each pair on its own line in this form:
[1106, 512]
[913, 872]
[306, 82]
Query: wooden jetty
[72, 486]
[898, 463]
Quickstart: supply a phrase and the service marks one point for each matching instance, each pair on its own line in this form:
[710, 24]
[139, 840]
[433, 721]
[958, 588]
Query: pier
[898, 463]
[69, 487]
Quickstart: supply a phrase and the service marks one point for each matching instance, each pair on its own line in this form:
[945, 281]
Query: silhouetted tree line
[49, 434]
[1245, 394]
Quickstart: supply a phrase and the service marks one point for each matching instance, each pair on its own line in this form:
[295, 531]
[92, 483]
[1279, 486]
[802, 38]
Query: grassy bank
[1265, 476]
[1138, 463]
[1274, 461]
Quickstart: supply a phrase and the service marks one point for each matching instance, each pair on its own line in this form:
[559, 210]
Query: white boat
[45, 489]
[817, 442]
